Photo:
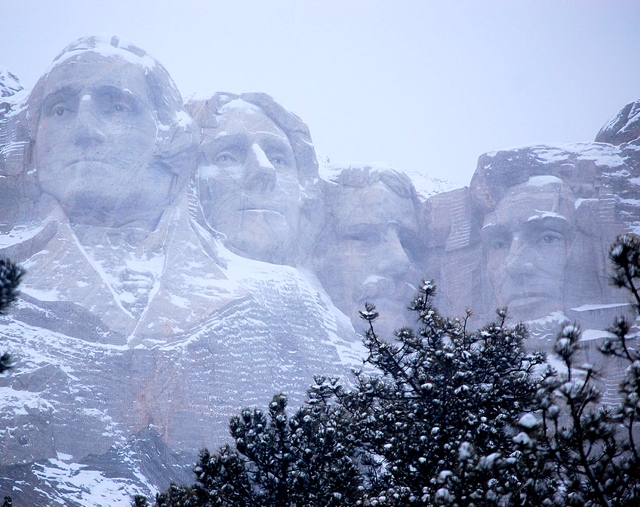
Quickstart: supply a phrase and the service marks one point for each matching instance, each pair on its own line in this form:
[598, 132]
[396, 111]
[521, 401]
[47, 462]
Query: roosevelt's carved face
[526, 241]
[249, 186]
[372, 259]
[95, 142]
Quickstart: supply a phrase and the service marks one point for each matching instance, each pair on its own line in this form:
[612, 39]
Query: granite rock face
[185, 261]
[134, 315]
[533, 232]
[256, 175]
[623, 128]
[370, 248]
[9, 84]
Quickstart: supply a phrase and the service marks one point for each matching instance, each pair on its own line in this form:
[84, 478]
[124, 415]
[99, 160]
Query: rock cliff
[187, 260]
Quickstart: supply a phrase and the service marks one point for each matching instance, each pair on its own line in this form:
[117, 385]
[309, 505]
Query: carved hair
[163, 92]
[498, 171]
[396, 181]
[176, 142]
[204, 113]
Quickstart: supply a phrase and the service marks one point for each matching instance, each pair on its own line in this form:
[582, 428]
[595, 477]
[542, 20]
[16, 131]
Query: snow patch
[541, 181]
[262, 159]
[528, 421]
[595, 334]
[19, 235]
[240, 104]
[595, 307]
[89, 488]
[42, 295]
[101, 44]
[545, 214]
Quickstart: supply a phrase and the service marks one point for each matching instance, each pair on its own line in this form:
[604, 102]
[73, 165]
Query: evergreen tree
[439, 423]
[590, 449]
[10, 276]
[140, 501]
[444, 416]
[181, 496]
[277, 460]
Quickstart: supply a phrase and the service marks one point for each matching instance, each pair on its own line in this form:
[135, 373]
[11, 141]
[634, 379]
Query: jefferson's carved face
[526, 241]
[95, 143]
[249, 185]
[373, 257]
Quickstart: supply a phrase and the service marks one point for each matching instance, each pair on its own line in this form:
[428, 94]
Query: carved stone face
[249, 186]
[526, 241]
[95, 142]
[372, 258]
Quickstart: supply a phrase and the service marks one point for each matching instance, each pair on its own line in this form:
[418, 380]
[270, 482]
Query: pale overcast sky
[422, 85]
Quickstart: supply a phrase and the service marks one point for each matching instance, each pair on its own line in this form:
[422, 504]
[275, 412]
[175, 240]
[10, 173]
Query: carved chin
[263, 235]
[376, 286]
[533, 304]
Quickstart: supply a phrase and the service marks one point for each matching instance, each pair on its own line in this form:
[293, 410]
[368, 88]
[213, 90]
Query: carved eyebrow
[237, 141]
[273, 144]
[492, 231]
[364, 229]
[117, 94]
[549, 220]
[62, 94]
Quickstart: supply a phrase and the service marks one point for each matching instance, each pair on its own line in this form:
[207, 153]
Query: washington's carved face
[526, 241]
[249, 185]
[372, 259]
[95, 143]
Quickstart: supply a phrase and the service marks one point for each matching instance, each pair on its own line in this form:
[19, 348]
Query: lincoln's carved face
[95, 143]
[249, 185]
[526, 242]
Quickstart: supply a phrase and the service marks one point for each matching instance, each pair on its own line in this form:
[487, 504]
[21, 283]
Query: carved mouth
[88, 160]
[259, 210]
[376, 285]
[527, 298]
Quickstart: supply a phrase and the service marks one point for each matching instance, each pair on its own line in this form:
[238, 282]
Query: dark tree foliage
[10, 276]
[444, 417]
[439, 423]
[590, 450]
[181, 496]
[140, 501]
[279, 461]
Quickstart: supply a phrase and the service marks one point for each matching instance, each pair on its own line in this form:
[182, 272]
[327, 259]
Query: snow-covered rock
[178, 271]
[134, 315]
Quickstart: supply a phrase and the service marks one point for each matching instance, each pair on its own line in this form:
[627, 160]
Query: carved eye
[225, 158]
[550, 237]
[499, 244]
[278, 159]
[59, 110]
[369, 237]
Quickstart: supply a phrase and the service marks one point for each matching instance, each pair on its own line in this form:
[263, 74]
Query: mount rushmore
[187, 259]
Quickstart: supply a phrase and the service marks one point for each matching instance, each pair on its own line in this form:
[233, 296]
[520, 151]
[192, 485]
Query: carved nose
[395, 262]
[518, 262]
[88, 128]
[259, 173]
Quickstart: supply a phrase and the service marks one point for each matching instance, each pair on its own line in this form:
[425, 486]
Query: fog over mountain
[187, 258]
[423, 86]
